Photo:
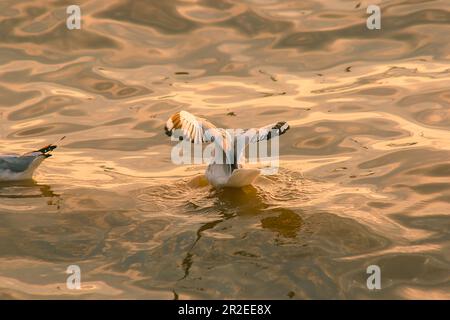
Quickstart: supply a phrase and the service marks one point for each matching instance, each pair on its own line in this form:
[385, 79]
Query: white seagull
[15, 167]
[231, 173]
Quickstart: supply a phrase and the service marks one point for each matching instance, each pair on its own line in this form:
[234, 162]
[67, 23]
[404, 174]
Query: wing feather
[199, 130]
[254, 135]
[267, 132]
[194, 129]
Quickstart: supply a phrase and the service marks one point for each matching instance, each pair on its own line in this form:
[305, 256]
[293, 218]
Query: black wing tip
[281, 126]
[167, 131]
[47, 149]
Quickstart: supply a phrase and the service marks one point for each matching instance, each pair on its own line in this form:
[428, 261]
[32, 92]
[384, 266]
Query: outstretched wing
[254, 135]
[185, 126]
[265, 133]
[192, 128]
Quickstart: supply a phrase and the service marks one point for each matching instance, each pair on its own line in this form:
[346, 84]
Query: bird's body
[22, 167]
[218, 174]
[228, 173]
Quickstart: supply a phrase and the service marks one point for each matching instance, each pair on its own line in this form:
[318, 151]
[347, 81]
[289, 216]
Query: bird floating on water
[15, 167]
[231, 173]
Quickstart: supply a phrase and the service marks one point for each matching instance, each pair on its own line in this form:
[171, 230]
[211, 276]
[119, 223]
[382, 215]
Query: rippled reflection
[26, 189]
[364, 169]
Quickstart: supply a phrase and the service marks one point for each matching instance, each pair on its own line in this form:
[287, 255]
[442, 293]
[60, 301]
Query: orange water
[364, 170]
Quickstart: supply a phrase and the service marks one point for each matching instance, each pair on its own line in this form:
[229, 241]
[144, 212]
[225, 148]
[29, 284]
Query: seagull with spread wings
[231, 173]
[15, 167]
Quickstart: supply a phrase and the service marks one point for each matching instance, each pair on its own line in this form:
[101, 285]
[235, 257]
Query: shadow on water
[239, 201]
[27, 189]
[245, 202]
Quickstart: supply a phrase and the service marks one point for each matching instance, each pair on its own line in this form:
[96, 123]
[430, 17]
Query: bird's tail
[46, 151]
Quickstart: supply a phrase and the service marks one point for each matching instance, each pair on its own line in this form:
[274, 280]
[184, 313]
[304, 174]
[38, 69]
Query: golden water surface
[364, 169]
